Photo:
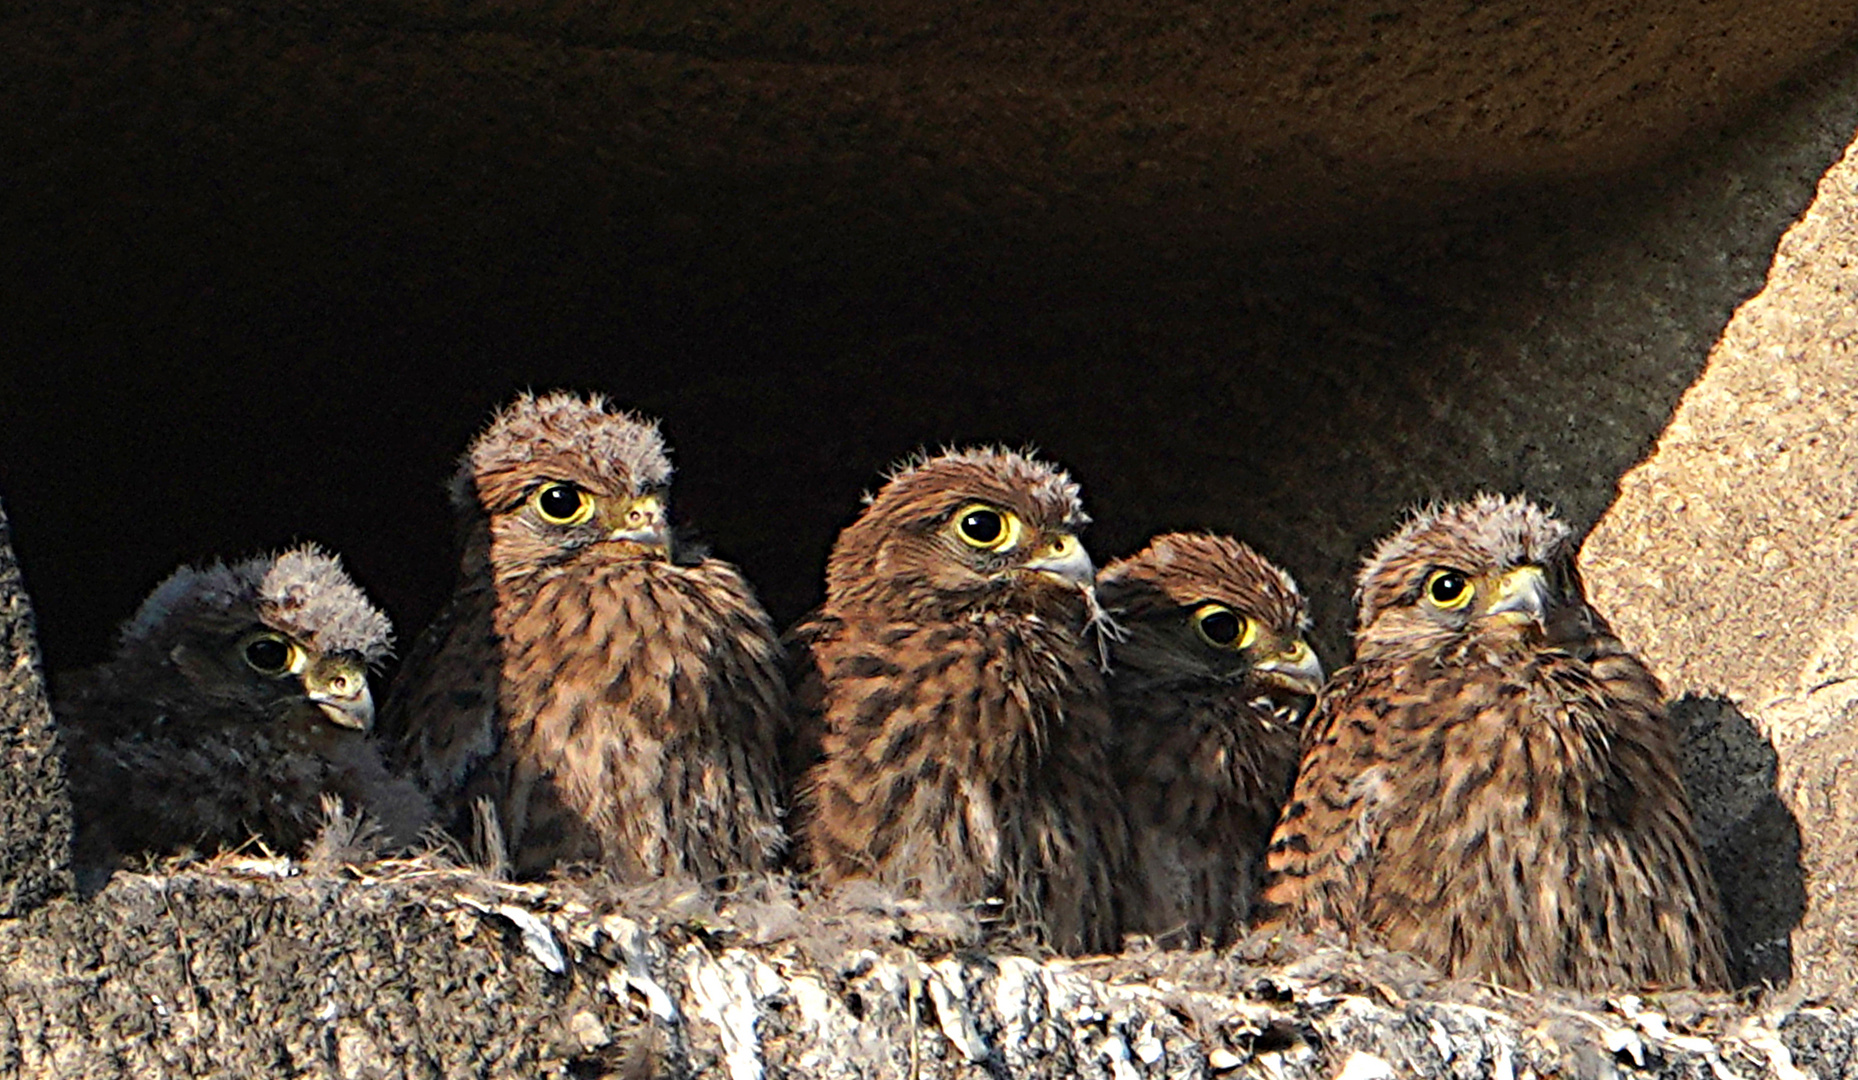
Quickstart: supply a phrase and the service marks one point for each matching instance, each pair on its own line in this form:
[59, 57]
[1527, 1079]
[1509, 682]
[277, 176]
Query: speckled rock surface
[35, 812]
[400, 971]
[1731, 555]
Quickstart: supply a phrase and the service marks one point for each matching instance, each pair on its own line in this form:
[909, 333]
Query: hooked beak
[1522, 596]
[340, 690]
[1065, 559]
[1295, 669]
[641, 521]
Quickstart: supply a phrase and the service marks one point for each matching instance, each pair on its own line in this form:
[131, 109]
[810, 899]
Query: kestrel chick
[1493, 784]
[619, 701]
[963, 719]
[237, 697]
[1208, 692]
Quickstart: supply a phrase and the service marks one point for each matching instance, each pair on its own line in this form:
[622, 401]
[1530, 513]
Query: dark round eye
[563, 504]
[1223, 628]
[268, 655]
[1220, 627]
[1448, 589]
[982, 527]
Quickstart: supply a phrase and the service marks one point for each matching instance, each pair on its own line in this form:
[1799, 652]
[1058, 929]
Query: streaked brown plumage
[619, 702]
[962, 719]
[1208, 690]
[1493, 784]
[236, 699]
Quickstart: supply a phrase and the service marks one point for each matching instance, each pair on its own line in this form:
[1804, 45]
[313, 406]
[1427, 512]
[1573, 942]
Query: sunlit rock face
[1731, 556]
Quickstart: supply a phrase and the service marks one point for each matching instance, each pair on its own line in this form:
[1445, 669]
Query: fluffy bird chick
[963, 720]
[237, 699]
[1209, 689]
[617, 701]
[1493, 784]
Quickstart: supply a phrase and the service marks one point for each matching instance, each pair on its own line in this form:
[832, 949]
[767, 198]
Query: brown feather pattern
[1501, 798]
[643, 736]
[963, 723]
[618, 705]
[1205, 748]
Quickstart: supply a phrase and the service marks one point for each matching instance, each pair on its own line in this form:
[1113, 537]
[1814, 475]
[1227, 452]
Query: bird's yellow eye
[1224, 628]
[987, 528]
[562, 504]
[271, 654]
[1449, 590]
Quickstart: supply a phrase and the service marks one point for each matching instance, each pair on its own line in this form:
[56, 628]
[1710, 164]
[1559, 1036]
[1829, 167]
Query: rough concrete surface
[396, 970]
[1731, 555]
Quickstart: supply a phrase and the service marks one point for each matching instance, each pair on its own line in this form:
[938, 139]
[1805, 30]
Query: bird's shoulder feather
[439, 720]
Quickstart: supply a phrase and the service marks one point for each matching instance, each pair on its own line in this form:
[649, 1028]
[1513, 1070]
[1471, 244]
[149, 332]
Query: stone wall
[1731, 559]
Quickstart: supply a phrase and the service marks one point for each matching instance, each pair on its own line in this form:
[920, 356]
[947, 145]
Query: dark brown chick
[618, 700]
[1209, 688]
[963, 720]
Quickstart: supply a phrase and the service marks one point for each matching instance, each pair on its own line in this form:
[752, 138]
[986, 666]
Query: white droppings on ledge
[538, 940]
[1504, 1065]
[724, 989]
[828, 1025]
[1365, 1066]
[1763, 1039]
[1149, 1047]
[1019, 998]
[272, 868]
[1625, 1041]
[1117, 1051]
[1441, 1039]
[949, 992]
[1223, 1060]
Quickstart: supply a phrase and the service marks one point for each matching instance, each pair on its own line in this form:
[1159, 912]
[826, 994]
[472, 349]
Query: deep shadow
[1750, 836]
[239, 312]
